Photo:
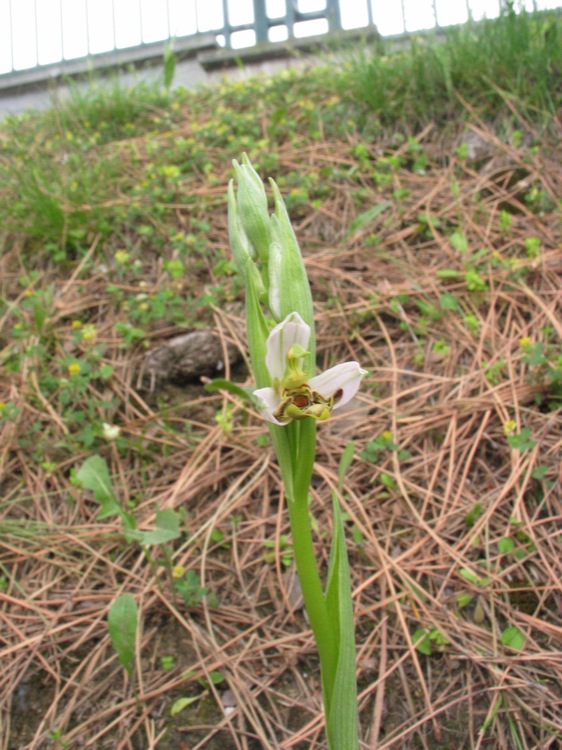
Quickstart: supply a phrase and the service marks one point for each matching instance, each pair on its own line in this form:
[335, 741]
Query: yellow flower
[387, 435]
[121, 257]
[89, 333]
[74, 368]
[509, 427]
[524, 342]
[76, 323]
[178, 571]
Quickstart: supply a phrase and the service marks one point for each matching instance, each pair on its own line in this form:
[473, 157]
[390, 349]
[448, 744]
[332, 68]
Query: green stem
[310, 584]
[303, 442]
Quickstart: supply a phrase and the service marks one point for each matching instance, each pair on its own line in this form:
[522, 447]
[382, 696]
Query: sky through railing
[39, 32]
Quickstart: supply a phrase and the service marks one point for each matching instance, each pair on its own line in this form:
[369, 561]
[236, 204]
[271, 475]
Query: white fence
[35, 33]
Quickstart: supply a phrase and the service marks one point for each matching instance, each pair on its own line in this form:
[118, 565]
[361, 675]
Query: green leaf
[459, 241]
[539, 472]
[94, 475]
[122, 624]
[513, 637]
[39, 315]
[368, 216]
[506, 545]
[345, 463]
[449, 301]
[447, 273]
[215, 678]
[473, 514]
[522, 441]
[388, 480]
[182, 703]
[169, 65]
[167, 528]
[474, 578]
[340, 697]
[422, 641]
[463, 599]
[222, 384]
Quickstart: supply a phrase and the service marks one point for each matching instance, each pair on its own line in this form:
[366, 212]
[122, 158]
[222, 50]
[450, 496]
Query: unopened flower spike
[293, 395]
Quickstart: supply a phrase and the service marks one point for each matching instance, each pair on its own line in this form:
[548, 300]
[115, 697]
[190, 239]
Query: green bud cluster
[267, 255]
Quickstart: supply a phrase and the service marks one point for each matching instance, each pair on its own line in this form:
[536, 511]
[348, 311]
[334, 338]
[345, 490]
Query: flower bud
[289, 290]
[241, 247]
[252, 207]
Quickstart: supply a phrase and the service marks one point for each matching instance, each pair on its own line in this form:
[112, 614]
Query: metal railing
[34, 33]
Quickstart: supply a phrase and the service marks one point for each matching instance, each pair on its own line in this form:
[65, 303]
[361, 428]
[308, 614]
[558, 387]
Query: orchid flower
[268, 257]
[294, 395]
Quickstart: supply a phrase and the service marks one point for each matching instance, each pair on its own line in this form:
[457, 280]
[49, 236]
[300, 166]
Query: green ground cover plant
[431, 233]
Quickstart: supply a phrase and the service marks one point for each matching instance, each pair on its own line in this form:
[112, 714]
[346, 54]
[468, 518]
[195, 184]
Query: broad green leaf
[539, 472]
[463, 599]
[513, 637]
[122, 624]
[422, 641]
[506, 544]
[94, 475]
[215, 678]
[449, 301]
[459, 241]
[522, 441]
[167, 528]
[340, 697]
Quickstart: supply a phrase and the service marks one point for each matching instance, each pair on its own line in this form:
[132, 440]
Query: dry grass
[418, 519]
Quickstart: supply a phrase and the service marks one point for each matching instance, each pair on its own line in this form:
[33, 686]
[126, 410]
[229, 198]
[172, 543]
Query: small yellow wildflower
[178, 571]
[89, 333]
[76, 323]
[524, 342]
[509, 427]
[2, 405]
[74, 368]
[121, 257]
[387, 435]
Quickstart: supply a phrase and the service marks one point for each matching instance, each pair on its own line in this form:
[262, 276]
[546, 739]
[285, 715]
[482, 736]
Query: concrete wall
[198, 61]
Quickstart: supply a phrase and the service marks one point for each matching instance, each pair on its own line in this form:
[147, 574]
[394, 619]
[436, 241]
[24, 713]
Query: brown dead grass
[409, 514]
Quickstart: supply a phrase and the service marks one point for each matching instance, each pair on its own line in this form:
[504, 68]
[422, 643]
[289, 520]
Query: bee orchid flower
[293, 393]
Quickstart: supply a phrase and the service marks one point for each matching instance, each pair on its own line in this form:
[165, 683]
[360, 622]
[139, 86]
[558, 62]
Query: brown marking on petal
[337, 395]
[301, 401]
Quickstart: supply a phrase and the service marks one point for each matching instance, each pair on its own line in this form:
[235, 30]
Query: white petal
[346, 376]
[292, 330]
[267, 402]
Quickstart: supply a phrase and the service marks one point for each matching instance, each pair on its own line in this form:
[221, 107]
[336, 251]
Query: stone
[187, 358]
